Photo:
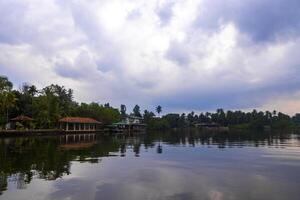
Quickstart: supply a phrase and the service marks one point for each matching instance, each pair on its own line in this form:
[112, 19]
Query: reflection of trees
[22, 159]
[136, 149]
[20, 179]
[159, 148]
[3, 182]
[222, 139]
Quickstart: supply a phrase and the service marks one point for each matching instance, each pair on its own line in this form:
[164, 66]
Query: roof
[21, 118]
[79, 120]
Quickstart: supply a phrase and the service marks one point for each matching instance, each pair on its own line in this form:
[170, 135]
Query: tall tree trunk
[6, 115]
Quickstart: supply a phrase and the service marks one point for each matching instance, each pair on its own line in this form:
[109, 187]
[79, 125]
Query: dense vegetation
[234, 119]
[49, 104]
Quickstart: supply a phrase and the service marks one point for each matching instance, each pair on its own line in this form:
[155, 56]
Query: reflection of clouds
[37, 190]
[133, 179]
[152, 179]
[215, 195]
[181, 173]
[289, 154]
[75, 189]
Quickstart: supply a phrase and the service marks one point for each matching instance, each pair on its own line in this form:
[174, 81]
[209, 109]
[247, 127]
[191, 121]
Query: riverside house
[79, 124]
[129, 124]
[20, 122]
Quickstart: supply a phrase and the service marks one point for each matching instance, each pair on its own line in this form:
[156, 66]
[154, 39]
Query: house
[20, 122]
[131, 119]
[79, 124]
[129, 124]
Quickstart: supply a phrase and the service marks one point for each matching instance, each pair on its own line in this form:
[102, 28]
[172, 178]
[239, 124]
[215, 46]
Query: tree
[24, 100]
[136, 111]
[148, 116]
[172, 119]
[7, 97]
[158, 109]
[5, 84]
[123, 110]
[7, 101]
[32, 90]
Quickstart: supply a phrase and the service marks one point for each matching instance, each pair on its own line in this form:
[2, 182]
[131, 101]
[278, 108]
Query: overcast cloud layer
[184, 55]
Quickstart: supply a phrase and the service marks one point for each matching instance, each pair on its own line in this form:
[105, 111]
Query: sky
[184, 55]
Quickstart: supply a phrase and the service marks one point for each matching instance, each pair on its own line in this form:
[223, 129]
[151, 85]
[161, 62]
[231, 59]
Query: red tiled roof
[21, 118]
[79, 120]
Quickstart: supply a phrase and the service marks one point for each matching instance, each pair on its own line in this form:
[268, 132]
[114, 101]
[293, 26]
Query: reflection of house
[79, 124]
[20, 122]
[77, 146]
[207, 125]
[211, 126]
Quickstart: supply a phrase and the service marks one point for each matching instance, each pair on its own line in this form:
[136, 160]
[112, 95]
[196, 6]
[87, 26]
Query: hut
[20, 122]
[79, 124]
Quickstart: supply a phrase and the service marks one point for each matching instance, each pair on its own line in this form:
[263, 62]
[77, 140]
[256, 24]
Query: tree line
[234, 119]
[47, 105]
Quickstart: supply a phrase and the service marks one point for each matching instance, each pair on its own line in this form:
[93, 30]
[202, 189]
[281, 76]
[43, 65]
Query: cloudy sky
[182, 54]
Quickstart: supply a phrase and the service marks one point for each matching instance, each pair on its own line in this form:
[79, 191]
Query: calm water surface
[177, 165]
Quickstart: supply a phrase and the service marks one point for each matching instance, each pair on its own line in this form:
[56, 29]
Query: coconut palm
[158, 109]
[8, 100]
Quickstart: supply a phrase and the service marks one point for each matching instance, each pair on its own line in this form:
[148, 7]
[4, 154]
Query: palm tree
[8, 101]
[158, 110]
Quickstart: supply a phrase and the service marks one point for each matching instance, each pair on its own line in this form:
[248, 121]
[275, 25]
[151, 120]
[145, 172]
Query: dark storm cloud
[263, 20]
[233, 95]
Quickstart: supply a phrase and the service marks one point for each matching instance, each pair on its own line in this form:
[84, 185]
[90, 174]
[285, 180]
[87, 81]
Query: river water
[167, 165]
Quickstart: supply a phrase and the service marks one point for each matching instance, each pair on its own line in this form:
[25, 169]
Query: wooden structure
[79, 124]
[23, 120]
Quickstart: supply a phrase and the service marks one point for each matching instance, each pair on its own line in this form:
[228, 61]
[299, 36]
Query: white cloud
[146, 52]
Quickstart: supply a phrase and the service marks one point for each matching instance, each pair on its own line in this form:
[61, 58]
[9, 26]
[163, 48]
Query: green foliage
[157, 124]
[136, 111]
[48, 105]
[19, 126]
[53, 102]
[123, 110]
[234, 119]
[7, 99]
[102, 113]
[158, 109]
[173, 120]
[5, 84]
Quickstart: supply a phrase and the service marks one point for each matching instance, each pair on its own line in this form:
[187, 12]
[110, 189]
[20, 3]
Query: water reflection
[23, 160]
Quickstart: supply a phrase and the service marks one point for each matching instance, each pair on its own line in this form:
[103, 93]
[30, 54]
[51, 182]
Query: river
[162, 165]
